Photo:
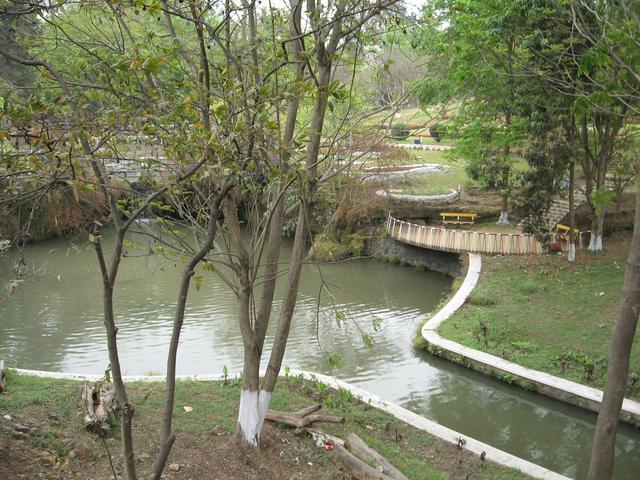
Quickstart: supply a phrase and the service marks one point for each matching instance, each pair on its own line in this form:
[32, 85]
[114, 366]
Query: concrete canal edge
[451, 436]
[534, 380]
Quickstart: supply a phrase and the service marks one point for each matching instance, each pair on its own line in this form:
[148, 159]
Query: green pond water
[53, 322]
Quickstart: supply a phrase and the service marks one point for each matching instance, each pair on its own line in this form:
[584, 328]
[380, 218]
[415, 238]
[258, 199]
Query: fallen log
[360, 449]
[309, 410]
[352, 465]
[321, 439]
[299, 421]
[3, 377]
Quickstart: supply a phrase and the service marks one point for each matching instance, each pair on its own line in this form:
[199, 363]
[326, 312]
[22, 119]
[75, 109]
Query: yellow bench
[563, 231]
[458, 218]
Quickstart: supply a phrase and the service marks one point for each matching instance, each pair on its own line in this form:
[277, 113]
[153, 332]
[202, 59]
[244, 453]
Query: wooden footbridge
[463, 241]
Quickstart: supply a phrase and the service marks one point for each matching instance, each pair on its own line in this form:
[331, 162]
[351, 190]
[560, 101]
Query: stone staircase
[560, 207]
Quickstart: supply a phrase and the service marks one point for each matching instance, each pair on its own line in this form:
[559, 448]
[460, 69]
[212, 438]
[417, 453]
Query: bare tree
[318, 34]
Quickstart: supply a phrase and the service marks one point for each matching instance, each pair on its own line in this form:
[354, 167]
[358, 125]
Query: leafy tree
[474, 50]
[611, 31]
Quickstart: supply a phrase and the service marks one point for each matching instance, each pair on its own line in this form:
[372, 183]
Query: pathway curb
[559, 388]
[451, 436]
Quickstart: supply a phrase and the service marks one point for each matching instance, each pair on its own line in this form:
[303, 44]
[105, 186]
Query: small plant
[225, 375]
[483, 335]
[526, 346]
[344, 398]
[632, 382]
[321, 389]
[527, 286]
[481, 299]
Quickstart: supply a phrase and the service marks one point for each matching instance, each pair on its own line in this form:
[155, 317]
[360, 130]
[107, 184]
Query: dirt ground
[42, 437]
[283, 456]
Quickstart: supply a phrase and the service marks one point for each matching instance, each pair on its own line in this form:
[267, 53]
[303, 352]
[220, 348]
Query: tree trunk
[504, 218]
[602, 454]
[571, 248]
[504, 214]
[251, 415]
[597, 227]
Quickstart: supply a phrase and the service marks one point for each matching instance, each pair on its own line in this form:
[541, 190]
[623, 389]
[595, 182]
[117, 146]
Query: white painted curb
[430, 334]
[474, 446]
[450, 197]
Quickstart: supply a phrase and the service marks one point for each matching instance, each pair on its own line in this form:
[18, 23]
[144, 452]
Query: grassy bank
[547, 314]
[56, 445]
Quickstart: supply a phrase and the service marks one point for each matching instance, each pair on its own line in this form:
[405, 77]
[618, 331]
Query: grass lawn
[434, 183]
[412, 116]
[491, 226]
[204, 447]
[547, 314]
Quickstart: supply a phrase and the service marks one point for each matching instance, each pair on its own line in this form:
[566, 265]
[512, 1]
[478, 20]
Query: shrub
[327, 249]
[400, 131]
[438, 131]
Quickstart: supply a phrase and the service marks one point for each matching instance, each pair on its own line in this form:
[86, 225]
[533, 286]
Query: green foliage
[399, 131]
[334, 247]
[438, 131]
[601, 198]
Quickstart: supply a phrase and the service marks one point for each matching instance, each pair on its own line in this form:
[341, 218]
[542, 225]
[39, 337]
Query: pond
[53, 322]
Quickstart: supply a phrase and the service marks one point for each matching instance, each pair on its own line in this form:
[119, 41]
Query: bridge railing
[463, 241]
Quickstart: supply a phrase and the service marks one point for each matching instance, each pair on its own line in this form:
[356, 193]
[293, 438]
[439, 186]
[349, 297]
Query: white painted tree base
[253, 408]
[571, 253]
[595, 244]
[504, 219]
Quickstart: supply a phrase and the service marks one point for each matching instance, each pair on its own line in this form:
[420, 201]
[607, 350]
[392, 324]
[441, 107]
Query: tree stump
[97, 403]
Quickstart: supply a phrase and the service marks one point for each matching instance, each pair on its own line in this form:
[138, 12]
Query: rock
[21, 428]
[174, 467]
[82, 449]
[219, 431]
[47, 459]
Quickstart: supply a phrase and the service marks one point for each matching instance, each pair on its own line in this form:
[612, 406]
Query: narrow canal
[53, 322]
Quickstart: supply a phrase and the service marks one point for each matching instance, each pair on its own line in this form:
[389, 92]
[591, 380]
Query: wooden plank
[360, 449]
[461, 214]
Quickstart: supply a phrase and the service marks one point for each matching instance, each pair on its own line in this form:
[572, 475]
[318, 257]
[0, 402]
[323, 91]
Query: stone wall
[386, 248]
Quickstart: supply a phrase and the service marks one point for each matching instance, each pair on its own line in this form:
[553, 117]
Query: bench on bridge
[458, 218]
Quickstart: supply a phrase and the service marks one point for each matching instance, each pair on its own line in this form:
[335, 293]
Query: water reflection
[54, 322]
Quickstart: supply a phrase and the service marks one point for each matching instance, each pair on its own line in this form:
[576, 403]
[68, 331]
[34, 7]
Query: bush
[400, 131]
[327, 249]
[438, 131]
